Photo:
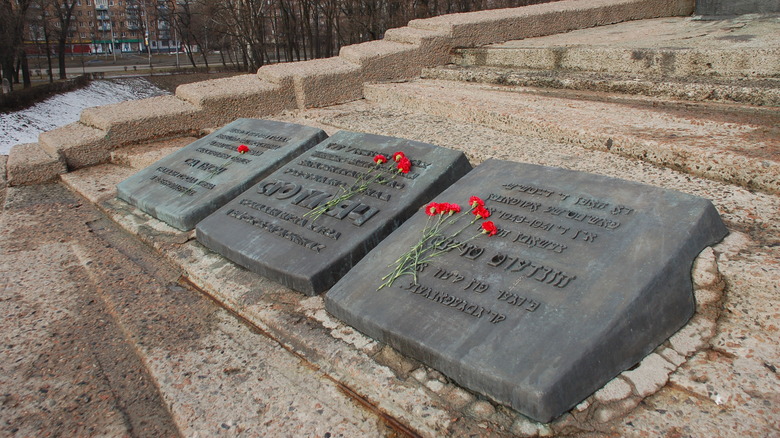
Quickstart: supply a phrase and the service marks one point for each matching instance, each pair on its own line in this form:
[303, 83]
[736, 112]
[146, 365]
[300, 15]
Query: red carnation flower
[398, 156]
[453, 208]
[379, 159]
[243, 149]
[432, 209]
[482, 212]
[489, 228]
[404, 165]
[476, 201]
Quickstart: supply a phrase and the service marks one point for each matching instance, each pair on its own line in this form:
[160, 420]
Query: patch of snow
[25, 125]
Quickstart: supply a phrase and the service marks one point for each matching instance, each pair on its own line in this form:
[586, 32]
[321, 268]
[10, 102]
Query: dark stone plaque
[271, 228]
[585, 276]
[188, 185]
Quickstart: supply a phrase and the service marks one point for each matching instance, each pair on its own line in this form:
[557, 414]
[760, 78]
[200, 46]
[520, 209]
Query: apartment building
[109, 26]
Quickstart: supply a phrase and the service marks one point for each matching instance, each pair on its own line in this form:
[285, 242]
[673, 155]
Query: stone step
[761, 92]
[674, 47]
[143, 155]
[662, 62]
[733, 143]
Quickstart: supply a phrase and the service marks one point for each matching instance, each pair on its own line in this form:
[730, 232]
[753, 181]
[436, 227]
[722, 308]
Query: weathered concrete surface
[101, 337]
[740, 145]
[316, 83]
[487, 27]
[31, 164]
[671, 46]
[145, 119]
[79, 144]
[145, 155]
[224, 100]
[719, 8]
[762, 92]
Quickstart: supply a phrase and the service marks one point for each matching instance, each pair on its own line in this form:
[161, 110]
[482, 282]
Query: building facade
[109, 27]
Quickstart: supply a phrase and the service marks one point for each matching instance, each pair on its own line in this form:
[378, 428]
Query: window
[89, 2]
[89, 13]
[124, 34]
[83, 35]
[91, 24]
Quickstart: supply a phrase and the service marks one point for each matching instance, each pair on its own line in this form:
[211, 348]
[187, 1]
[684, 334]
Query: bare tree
[13, 14]
[190, 26]
[63, 13]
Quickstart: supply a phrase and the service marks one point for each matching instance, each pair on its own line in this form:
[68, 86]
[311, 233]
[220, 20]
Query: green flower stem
[359, 186]
[420, 254]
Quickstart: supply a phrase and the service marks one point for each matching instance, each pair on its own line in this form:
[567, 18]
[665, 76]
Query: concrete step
[733, 143]
[143, 155]
[665, 47]
[761, 92]
[662, 62]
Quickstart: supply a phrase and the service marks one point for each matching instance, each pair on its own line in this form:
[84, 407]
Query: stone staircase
[680, 58]
[681, 103]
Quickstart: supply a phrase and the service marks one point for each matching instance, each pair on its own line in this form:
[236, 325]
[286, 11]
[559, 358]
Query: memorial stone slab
[188, 185]
[584, 277]
[272, 228]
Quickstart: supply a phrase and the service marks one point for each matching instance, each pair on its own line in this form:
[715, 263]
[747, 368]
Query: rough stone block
[270, 229]
[584, 277]
[492, 26]
[31, 164]
[3, 178]
[383, 60]
[317, 83]
[232, 98]
[144, 119]
[188, 185]
[79, 144]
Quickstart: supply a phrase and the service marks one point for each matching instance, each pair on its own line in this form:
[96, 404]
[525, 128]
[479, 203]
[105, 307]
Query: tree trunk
[61, 57]
[25, 69]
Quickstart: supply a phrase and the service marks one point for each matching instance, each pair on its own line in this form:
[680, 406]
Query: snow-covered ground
[25, 125]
